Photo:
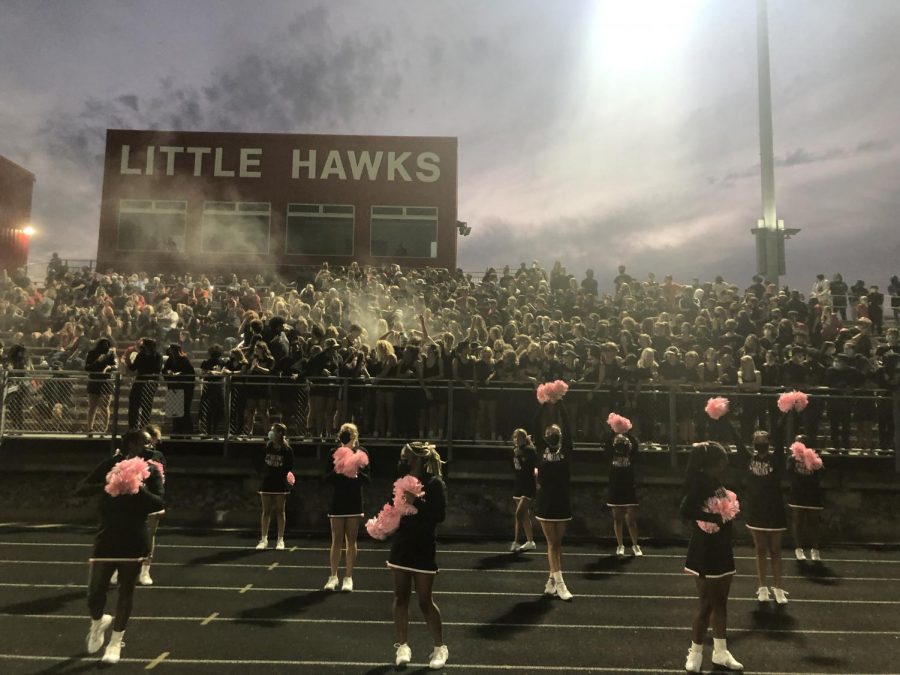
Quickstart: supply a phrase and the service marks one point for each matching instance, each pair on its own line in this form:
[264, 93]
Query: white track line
[386, 665]
[459, 624]
[268, 589]
[280, 566]
[318, 549]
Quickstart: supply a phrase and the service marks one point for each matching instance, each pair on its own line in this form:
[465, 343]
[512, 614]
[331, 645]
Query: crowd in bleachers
[621, 345]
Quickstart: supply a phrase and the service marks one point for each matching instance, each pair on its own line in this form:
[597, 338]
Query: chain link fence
[236, 407]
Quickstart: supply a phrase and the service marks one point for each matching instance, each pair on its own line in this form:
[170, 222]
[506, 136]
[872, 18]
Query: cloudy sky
[590, 132]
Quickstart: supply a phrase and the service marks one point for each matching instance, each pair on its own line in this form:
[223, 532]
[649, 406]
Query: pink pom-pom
[348, 463]
[806, 456]
[618, 423]
[159, 467]
[384, 524]
[786, 402]
[801, 400]
[126, 477]
[291, 479]
[793, 400]
[403, 485]
[728, 507]
[717, 407]
[551, 392]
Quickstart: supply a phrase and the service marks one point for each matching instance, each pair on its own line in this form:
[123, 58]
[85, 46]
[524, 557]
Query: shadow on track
[818, 573]
[271, 615]
[526, 614]
[45, 605]
[502, 561]
[225, 556]
[599, 570]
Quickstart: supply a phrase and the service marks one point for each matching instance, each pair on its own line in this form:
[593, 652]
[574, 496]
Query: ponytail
[427, 453]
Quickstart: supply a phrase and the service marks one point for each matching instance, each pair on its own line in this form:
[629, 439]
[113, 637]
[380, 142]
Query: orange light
[29, 231]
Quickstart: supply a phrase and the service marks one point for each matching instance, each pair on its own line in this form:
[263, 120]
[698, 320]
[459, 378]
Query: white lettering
[124, 169]
[198, 158]
[170, 151]
[365, 162]
[429, 167]
[247, 163]
[395, 165]
[333, 165]
[151, 155]
[218, 171]
[309, 164]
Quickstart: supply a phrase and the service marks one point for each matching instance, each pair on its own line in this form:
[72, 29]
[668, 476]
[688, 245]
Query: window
[404, 231]
[236, 227]
[319, 229]
[151, 225]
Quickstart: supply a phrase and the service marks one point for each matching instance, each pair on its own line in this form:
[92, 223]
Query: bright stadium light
[639, 34]
[29, 231]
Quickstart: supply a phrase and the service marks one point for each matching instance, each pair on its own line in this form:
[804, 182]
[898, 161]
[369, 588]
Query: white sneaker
[404, 654]
[780, 596]
[439, 657]
[97, 634]
[144, 577]
[114, 579]
[114, 649]
[799, 554]
[279, 545]
[724, 658]
[637, 551]
[814, 554]
[513, 547]
[694, 661]
[762, 594]
[550, 587]
[528, 546]
[620, 551]
[331, 584]
[263, 543]
[347, 586]
[561, 591]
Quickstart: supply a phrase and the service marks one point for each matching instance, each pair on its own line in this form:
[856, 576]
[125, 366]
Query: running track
[218, 606]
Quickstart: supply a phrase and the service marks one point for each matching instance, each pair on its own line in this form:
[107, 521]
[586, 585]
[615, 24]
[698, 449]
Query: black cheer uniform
[806, 487]
[554, 501]
[524, 463]
[347, 496]
[273, 465]
[765, 503]
[123, 535]
[622, 491]
[709, 556]
[413, 546]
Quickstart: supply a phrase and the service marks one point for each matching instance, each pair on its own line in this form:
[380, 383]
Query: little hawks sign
[305, 164]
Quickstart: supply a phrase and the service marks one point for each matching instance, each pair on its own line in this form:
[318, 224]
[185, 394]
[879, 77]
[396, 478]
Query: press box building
[215, 201]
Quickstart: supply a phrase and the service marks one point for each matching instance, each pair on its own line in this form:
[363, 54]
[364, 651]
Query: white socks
[719, 645]
[116, 636]
[697, 649]
[556, 576]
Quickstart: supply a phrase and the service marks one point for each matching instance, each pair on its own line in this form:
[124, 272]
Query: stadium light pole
[769, 231]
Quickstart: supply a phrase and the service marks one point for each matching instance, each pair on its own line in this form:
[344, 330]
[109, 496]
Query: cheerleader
[152, 452]
[553, 508]
[121, 545]
[709, 557]
[412, 558]
[524, 463]
[622, 450]
[806, 500]
[766, 518]
[275, 465]
[346, 505]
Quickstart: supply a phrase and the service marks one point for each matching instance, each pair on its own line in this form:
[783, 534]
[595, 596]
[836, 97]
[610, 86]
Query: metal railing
[231, 408]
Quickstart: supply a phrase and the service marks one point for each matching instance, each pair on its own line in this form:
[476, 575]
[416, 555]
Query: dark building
[226, 201]
[16, 186]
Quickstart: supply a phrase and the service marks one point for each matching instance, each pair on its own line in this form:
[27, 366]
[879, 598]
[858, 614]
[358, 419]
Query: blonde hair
[428, 453]
[351, 429]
